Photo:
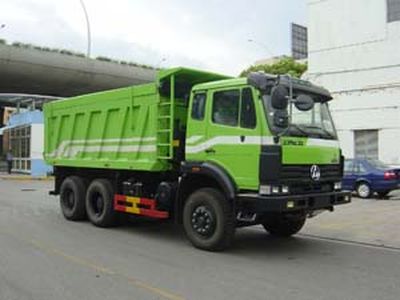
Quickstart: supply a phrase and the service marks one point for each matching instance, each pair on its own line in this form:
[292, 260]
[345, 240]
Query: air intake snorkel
[281, 98]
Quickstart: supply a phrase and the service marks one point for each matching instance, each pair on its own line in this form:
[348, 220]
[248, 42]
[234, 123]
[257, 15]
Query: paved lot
[42, 256]
[371, 221]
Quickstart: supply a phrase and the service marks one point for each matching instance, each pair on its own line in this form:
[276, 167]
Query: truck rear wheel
[99, 203]
[72, 198]
[208, 220]
[284, 225]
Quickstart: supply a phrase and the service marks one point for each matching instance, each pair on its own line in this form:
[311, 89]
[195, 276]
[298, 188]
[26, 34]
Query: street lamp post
[160, 62]
[265, 47]
[89, 40]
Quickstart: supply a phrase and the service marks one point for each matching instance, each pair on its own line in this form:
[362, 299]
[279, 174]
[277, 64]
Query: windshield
[315, 122]
[377, 164]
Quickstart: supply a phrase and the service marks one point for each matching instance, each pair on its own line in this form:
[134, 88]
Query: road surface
[43, 256]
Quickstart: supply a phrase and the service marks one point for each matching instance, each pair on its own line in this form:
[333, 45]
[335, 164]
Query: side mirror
[304, 102]
[281, 118]
[280, 97]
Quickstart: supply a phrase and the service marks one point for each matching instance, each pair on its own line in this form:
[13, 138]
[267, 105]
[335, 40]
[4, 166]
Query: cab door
[234, 135]
[196, 127]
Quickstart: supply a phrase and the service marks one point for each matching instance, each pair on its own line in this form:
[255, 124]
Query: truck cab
[270, 143]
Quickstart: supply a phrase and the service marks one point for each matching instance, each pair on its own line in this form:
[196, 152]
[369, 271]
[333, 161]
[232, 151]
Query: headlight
[338, 185]
[273, 189]
[265, 190]
[285, 189]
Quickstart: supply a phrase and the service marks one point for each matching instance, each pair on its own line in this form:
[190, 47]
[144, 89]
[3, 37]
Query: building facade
[24, 135]
[354, 51]
[6, 114]
[299, 41]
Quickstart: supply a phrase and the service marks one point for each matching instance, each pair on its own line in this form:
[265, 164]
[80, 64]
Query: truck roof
[221, 83]
[262, 81]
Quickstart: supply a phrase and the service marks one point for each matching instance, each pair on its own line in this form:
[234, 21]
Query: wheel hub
[363, 190]
[98, 204]
[203, 221]
[71, 200]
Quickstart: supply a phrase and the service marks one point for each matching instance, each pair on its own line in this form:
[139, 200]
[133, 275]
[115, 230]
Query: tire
[383, 194]
[208, 220]
[100, 204]
[72, 198]
[363, 190]
[282, 225]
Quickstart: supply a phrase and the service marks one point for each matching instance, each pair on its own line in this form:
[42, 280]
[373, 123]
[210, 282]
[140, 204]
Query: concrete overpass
[30, 77]
[32, 71]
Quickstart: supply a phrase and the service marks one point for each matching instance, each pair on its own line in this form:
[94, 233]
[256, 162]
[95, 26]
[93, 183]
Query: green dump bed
[131, 128]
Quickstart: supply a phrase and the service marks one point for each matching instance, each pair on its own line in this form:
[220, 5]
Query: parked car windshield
[377, 164]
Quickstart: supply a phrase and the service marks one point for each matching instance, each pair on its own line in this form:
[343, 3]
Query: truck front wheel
[284, 225]
[208, 220]
[99, 203]
[72, 198]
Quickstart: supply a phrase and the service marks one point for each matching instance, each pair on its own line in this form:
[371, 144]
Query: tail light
[389, 175]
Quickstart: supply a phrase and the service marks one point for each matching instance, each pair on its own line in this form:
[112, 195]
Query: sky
[208, 34]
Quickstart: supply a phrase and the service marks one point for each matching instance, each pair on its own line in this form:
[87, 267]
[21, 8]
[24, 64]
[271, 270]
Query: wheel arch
[363, 180]
[196, 175]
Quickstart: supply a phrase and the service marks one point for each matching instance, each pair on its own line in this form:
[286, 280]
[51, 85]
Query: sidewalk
[16, 176]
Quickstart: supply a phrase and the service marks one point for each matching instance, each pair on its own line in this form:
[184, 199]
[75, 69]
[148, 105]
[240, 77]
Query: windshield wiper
[328, 133]
[299, 129]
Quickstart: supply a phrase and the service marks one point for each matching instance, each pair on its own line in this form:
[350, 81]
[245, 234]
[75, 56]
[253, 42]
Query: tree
[286, 65]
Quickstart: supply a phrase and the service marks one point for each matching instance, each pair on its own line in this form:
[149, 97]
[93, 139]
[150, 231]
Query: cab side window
[199, 106]
[247, 112]
[225, 108]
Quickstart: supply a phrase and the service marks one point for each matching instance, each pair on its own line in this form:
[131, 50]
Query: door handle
[242, 138]
[210, 150]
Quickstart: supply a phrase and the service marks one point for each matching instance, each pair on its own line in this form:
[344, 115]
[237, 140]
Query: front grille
[296, 173]
[309, 188]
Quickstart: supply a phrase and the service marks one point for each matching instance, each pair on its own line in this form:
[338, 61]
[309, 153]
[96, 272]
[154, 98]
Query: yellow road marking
[86, 263]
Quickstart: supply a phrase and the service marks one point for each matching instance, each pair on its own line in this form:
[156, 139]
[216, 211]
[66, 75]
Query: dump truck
[207, 151]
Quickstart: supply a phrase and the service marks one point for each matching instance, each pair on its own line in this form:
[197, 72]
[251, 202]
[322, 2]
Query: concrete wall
[355, 53]
[38, 166]
[37, 141]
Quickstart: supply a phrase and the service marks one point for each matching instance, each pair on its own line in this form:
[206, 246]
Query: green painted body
[133, 128]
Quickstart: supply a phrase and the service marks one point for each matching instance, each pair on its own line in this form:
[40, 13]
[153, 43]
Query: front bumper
[256, 203]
